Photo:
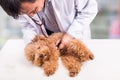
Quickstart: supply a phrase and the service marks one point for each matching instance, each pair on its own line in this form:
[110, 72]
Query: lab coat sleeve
[28, 30]
[86, 13]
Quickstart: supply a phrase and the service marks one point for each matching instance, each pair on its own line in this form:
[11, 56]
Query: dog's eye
[38, 47]
[45, 55]
[41, 56]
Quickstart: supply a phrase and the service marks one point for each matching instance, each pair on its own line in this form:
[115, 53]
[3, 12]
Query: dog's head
[38, 50]
[42, 53]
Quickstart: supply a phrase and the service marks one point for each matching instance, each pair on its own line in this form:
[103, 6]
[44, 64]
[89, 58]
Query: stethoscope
[40, 25]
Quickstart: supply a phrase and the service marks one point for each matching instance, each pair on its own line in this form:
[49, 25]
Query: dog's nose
[41, 56]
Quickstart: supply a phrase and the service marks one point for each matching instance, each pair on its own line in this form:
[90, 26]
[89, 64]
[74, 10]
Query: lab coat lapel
[57, 14]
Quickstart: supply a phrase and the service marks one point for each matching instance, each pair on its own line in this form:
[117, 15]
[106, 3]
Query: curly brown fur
[72, 64]
[78, 50]
[72, 54]
[42, 53]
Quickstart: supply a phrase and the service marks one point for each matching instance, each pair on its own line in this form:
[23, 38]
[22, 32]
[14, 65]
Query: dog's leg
[72, 64]
[78, 49]
[51, 65]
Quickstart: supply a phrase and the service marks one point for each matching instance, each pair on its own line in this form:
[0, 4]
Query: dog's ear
[36, 38]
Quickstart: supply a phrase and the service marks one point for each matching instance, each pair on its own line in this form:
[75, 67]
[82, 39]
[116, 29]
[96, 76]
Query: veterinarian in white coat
[70, 16]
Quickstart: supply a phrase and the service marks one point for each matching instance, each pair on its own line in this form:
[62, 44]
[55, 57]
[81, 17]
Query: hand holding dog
[61, 43]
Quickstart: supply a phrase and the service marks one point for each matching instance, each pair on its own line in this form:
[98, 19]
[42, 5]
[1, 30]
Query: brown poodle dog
[43, 53]
[72, 54]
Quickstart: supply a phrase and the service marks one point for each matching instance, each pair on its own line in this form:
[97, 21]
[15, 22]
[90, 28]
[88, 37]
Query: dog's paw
[91, 56]
[49, 71]
[73, 73]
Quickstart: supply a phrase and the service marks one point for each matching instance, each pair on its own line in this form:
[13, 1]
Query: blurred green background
[108, 11]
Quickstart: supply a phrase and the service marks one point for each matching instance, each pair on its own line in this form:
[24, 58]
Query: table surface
[105, 66]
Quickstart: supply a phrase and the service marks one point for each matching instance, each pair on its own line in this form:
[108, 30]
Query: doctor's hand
[64, 41]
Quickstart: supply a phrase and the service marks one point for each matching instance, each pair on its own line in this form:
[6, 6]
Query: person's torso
[58, 15]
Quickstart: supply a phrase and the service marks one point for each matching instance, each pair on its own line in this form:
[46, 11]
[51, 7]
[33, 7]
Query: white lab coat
[64, 11]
